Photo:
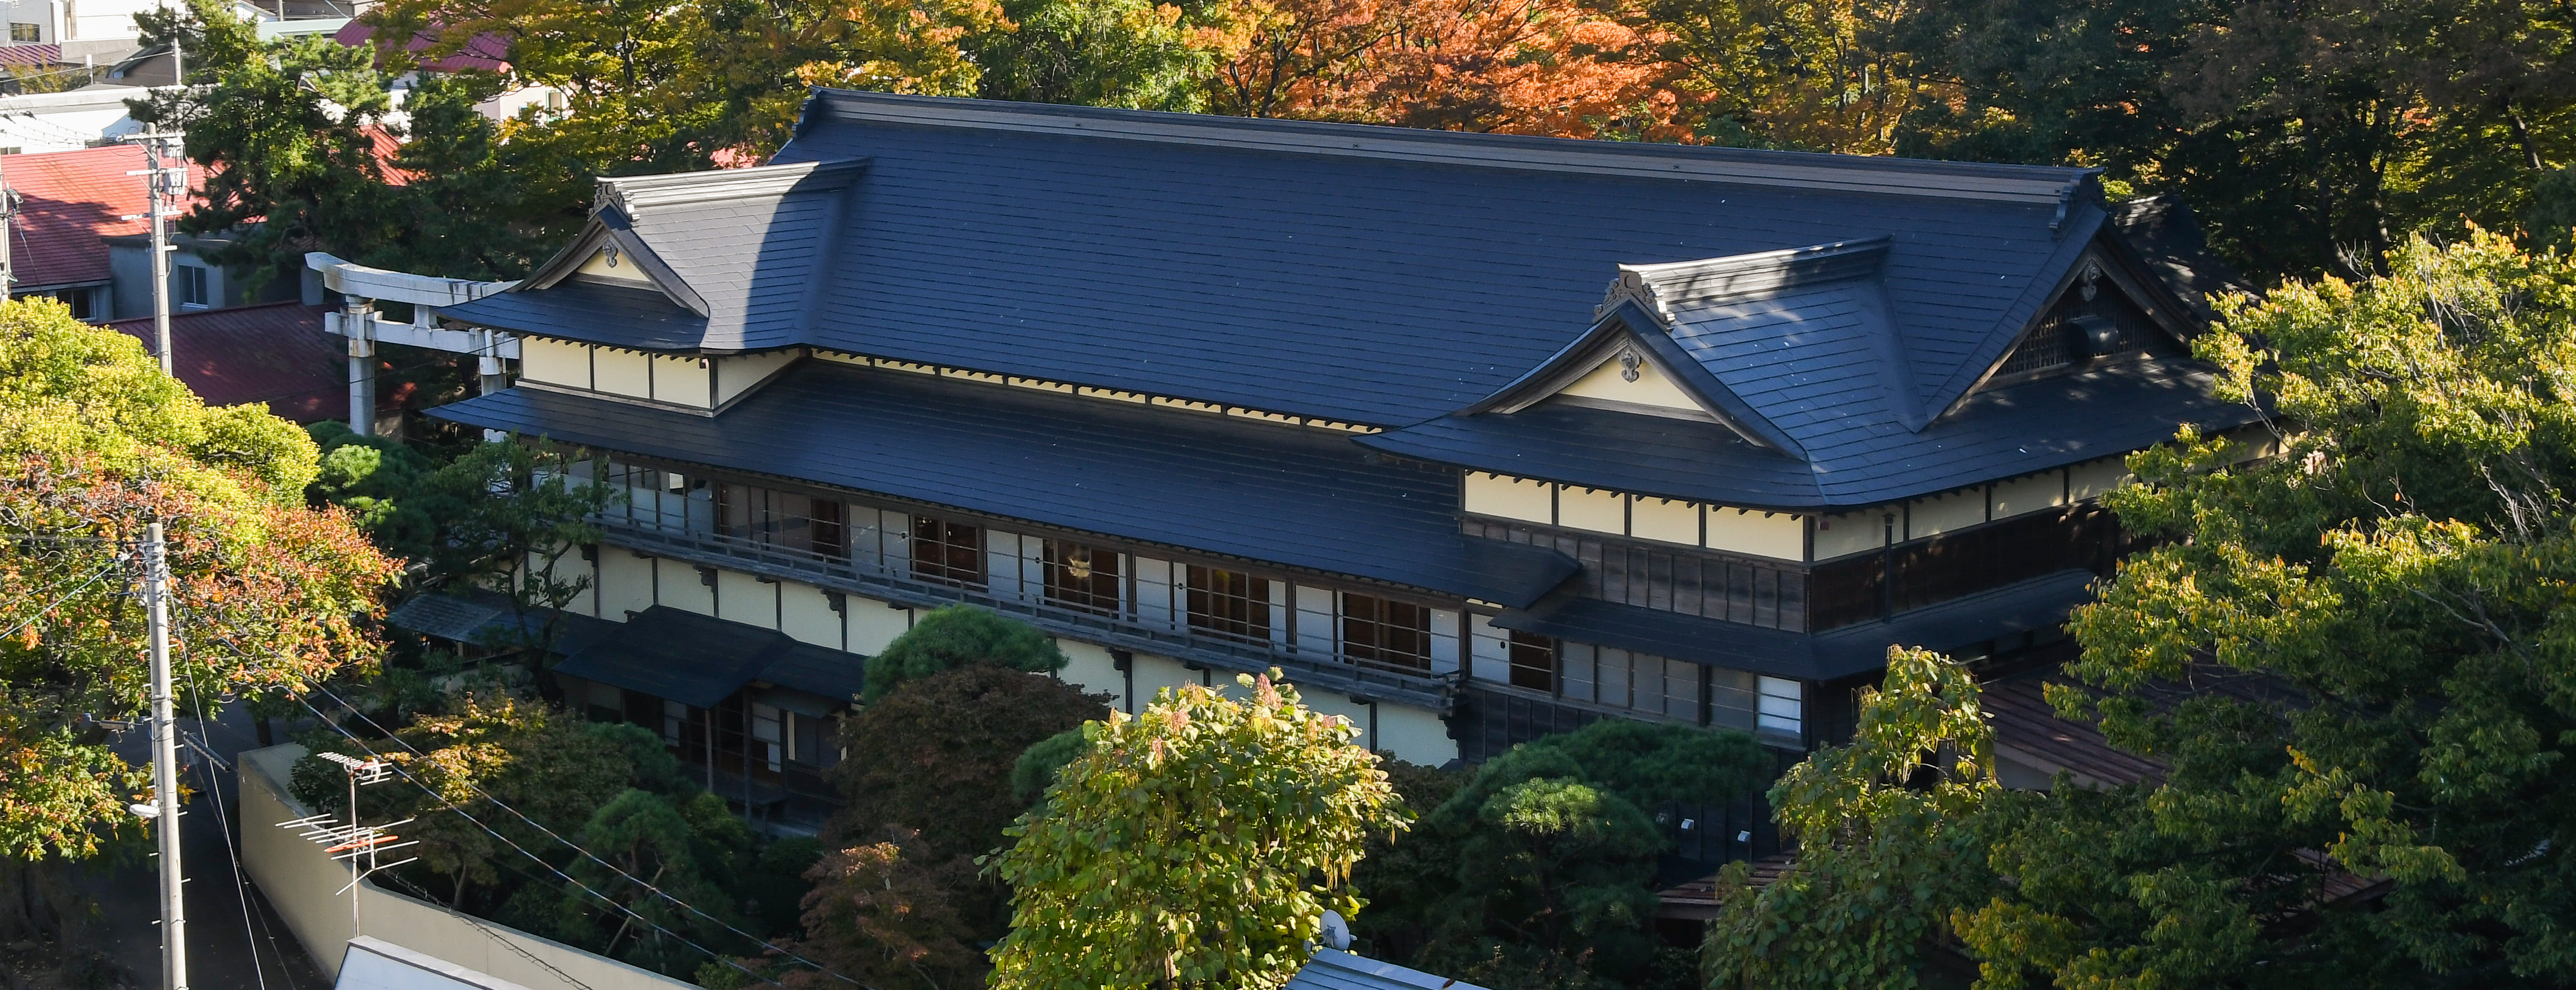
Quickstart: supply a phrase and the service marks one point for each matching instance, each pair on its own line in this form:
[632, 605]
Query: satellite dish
[1336, 933]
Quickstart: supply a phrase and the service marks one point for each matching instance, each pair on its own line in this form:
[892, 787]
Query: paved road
[224, 951]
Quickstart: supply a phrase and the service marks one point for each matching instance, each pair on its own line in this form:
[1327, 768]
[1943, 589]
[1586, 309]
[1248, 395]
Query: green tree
[268, 596]
[1887, 843]
[961, 636]
[1196, 845]
[682, 847]
[1036, 769]
[1544, 861]
[2383, 604]
[509, 517]
[886, 914]
[285, 130]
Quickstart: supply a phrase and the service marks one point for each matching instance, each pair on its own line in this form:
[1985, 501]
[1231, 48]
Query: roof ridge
[1659, 287]
[2030, 184]
[637, 192]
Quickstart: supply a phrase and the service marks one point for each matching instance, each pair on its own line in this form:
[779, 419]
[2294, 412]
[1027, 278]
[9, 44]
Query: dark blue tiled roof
[2034, 604]
[1214, 484]
[1359, 274]
[1999, 433]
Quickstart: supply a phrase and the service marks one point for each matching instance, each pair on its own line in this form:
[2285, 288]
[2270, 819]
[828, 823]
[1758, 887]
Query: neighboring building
[482, 53]
[1333, 969]
[1476, 437]
[372, 963]
[70, 204]
[70, 121]
[274, 354]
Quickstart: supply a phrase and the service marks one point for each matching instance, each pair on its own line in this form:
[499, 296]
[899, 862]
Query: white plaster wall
[677, 584]
[2094, 478]
[746, 599]
[736, 375]
[625, 583]
[1652, 387]
[1414, 735]
[1090, 667]
[1945, 512]
[805, 613]
[871, 624]
[2022, 496]
[1851, 532]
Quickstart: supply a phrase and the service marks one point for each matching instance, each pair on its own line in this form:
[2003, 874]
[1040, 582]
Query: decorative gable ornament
[1632, 286]
[1629, 359]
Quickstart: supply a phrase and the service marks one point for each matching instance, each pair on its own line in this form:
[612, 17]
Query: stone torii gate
[360, 287]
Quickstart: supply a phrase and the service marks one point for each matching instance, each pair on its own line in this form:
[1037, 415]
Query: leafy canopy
[1195, 845]
[960, 636]
[267, 595]
[1886, 843]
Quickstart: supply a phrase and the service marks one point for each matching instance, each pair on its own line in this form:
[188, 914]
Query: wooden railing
[1305, 669]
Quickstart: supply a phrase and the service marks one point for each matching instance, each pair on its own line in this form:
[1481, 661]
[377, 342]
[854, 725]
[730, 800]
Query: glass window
[947, 552]
[1376, 630]
[768, 732]
[1082, 577]
[1229, 603]
[1533, 661]
[24, 33]
[188, 286]
[830, 536]
[1783, 706]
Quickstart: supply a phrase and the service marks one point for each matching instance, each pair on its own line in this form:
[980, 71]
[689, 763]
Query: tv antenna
[361, 846]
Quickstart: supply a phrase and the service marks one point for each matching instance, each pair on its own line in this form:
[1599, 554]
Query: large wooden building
[1476, 437]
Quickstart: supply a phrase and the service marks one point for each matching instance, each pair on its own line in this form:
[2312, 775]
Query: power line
[67, 596]
[487, 931]
[550, 867]
[223, 822]
[550, 833]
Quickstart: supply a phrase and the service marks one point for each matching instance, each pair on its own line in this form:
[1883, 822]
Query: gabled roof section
[68, 202]
[748, 251]
[1367, 275]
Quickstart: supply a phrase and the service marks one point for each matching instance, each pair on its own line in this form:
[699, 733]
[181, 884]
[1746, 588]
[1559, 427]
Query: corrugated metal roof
[68, 201]
[274, 353]
[1215, 484]
[1333, 969]
[1358, 274]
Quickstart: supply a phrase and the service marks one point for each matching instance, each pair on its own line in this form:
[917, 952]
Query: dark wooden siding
[1771, 594]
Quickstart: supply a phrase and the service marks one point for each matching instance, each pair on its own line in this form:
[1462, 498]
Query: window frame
[959, 563]
[1073, 577]
[1378, 636]
[1246, 614]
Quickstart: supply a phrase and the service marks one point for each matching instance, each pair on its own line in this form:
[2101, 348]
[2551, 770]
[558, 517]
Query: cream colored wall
[554, 362]
[805, 613]
[1414, 735]
[1592, 509]
[872, 625]
[679, 585]
[1664, 519]
[2092, 479]
[625, 373]
[746, 599]
[2021, 496]
[1090, 667]
[1652, 387]
[1850, 532]
[301, 882]
[736, 375]
[1939, 514]
[1509, 498]
[1776, 535]
[680, 381]
[625, 583]
[597, 266]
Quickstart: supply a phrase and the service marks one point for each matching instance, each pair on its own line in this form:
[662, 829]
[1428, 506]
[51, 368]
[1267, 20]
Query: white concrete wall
[300, 881]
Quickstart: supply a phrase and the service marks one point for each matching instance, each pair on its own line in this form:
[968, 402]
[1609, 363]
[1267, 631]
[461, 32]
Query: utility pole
[8, 212]
[164, 185]
[165, 763]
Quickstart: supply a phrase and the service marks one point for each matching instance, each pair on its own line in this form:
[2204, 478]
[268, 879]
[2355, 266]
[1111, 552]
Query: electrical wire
[241, 887]
[67, 596]
[550, 833]
[405, 773]
[487, 931]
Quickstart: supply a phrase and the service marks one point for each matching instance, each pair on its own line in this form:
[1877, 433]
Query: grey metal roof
[1332, 969]
[700, 660]
[1998, 433]
[1359, 274]
[2019, 607]
[1215, 484]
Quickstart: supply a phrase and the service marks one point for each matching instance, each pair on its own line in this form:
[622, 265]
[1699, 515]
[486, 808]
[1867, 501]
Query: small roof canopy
[700, 661]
